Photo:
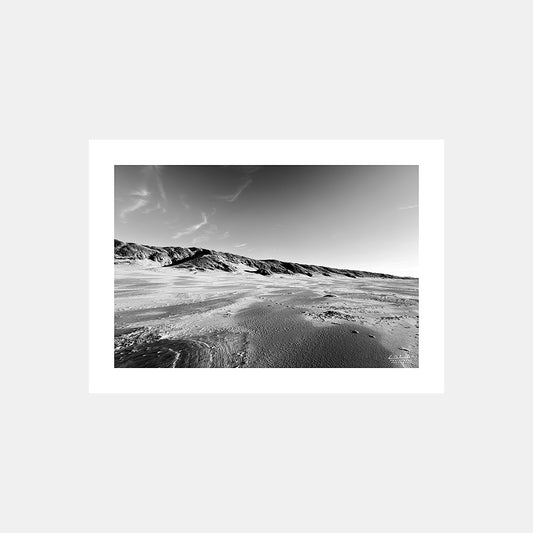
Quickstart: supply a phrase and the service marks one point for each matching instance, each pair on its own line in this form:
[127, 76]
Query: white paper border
[105, 154]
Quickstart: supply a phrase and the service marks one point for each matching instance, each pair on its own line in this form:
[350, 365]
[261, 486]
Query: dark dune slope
[204, 259]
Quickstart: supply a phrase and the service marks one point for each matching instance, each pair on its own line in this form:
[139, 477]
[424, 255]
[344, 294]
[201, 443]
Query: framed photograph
[266, 266]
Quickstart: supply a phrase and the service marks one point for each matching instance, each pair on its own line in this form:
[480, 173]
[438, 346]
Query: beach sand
[170, 317]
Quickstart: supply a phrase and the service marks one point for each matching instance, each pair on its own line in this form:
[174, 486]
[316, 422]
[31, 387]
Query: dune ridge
[203, 259]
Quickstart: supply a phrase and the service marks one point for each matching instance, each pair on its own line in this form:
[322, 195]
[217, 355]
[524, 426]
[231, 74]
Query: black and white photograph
[266, 266]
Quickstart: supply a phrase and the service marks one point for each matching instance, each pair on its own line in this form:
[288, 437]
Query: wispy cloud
[240, 245]
[152, 208]
[403, 208]
[234, 196]
[192, 229]
[160, 187]
[141, 202]
[148, 198]
[246, 173]
[141, 193]
[206, 233]
[153, 174]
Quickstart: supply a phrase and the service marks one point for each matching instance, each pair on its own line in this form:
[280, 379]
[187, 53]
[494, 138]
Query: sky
[356, 217]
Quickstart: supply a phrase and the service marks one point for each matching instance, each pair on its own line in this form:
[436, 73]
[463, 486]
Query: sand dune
[202, 259]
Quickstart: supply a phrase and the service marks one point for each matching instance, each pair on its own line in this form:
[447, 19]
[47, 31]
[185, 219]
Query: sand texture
[171, 317]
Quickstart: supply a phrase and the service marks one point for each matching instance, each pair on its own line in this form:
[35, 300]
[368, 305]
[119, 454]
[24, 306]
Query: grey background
[384, 70]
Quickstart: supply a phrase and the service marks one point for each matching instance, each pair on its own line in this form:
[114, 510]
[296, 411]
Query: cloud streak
[155, 207]
[138, 204]
[141, 193]
[192, 229]
[403, 208]
[143, 200]
[160, 187]
[205, 235]
[240, 245]
[153, 175]
[233, 197]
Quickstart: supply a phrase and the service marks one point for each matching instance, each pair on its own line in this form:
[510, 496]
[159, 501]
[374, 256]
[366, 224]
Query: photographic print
[266, 266]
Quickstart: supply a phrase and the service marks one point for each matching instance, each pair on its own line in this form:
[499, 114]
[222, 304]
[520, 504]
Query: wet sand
[171, 318]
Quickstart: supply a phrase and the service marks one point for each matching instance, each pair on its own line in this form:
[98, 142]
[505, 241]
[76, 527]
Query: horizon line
[269, 259]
